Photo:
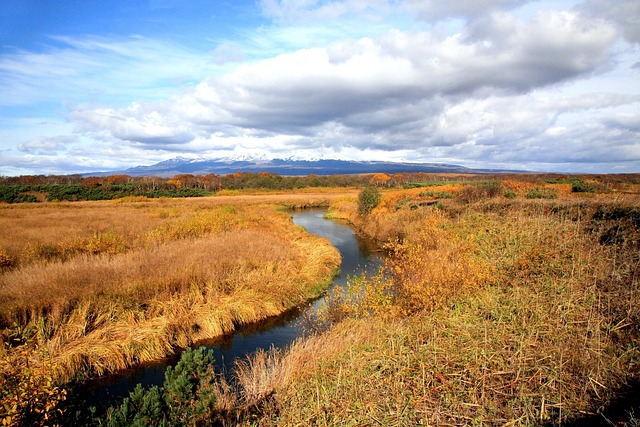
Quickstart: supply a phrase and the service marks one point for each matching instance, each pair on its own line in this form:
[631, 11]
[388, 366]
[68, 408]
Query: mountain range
[286, 167]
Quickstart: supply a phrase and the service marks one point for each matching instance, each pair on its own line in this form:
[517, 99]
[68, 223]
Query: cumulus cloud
[399, 91]
[136, 124]
[624, 13]
[484, 83]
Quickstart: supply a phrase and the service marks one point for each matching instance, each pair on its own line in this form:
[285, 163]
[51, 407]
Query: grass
[543, 332]
[163, 275]
[32, 232]
[491, 310]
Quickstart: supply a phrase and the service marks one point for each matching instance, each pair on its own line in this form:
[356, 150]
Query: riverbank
[492, 311]
[357, 257]
[113, 284]
[503, 303]
[524, 316]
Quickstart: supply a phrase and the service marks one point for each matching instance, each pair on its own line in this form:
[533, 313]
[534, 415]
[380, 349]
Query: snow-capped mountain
[290, 166]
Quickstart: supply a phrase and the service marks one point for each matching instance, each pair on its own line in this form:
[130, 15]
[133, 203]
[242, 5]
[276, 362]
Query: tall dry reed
[547, 338]
[199, 275]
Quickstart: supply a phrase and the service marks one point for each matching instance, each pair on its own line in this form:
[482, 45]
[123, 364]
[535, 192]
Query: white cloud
[136, 124]
[624, 13]
[352, 82]
[501, 87]
[226, 53]
[46, 146]
[308, 11]
[435, 10]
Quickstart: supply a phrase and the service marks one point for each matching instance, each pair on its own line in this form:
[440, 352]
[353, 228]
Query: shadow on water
[358, 256]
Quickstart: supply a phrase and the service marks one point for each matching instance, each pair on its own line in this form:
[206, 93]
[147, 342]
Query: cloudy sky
[93, 85]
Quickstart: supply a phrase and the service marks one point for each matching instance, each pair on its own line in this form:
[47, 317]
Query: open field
[502, 303]
[493, 310]
[93, 287]
[505, 301]
[504, 313]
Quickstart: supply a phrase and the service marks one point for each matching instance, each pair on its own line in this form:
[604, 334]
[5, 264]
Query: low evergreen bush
[186, 397]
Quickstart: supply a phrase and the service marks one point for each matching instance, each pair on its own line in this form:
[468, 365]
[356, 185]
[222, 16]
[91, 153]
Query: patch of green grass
[542, 193]
[437, 194]
[578, 185]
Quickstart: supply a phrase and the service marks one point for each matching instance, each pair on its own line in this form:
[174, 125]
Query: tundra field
[503, 301]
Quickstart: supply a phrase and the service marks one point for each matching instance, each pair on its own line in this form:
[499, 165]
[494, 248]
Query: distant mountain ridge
[286, 167]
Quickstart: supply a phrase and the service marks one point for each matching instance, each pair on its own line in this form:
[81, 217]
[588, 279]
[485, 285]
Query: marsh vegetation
[504, 301]
[93, 287]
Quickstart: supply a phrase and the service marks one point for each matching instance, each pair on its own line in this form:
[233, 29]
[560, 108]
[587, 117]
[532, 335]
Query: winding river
[358, 256]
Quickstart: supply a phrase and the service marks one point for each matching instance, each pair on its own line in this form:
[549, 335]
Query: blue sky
[91, 85]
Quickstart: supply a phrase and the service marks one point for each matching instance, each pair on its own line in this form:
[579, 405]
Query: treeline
[75, 192]
[39, 188]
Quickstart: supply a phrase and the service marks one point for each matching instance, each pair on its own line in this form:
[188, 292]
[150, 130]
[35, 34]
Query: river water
[358, 256]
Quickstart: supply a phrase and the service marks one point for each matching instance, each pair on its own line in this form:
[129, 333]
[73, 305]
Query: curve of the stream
[358, 256]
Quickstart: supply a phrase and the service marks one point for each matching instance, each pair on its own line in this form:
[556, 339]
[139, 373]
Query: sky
[93, 85]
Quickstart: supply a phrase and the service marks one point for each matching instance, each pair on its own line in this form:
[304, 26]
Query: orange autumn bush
[429, 267]
[433, 266]
[563, 190]
[29, 393]
[520, 188]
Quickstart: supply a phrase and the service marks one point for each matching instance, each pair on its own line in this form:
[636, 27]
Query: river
[358, 256]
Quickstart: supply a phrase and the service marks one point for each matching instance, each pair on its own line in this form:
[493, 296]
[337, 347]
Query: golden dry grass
[492, 312]
[163, 275]
[546, 337]
[31, 232]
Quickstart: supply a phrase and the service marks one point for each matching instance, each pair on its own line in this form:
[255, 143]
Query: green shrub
[45, 251]
[16, 194]
[186, 397]
[579, 186]
[403, 202]
[368, 199]
[26, 198]
[8, 194]
[437, 194]
[189, 387]
[141, 408]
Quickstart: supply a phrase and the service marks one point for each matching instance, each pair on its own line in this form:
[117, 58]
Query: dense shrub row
[36, 189]
[75, 192]
[74, 187]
